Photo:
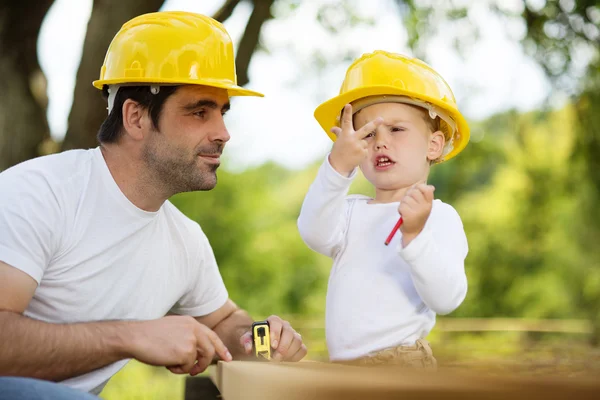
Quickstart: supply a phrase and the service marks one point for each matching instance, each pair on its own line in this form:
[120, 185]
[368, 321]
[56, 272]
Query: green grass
[137, 381]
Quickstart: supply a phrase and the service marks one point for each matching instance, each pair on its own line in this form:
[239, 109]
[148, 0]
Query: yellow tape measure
[262, 340]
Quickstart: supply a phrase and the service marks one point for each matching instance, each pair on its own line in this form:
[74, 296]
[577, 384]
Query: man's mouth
[212, 158]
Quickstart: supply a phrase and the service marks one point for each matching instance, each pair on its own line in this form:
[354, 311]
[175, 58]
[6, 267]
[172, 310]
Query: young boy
[398, 117]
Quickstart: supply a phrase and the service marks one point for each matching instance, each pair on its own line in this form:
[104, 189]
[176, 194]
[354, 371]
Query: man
[96, 265]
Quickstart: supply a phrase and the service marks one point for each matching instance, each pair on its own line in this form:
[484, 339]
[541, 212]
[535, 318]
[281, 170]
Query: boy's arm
[321, 222]
[436, 257]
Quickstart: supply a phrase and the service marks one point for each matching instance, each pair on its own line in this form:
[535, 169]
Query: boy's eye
[397, 129]
[370, 135]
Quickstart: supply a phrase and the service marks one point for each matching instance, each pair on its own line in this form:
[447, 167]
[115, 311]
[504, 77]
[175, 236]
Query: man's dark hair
[112, 127]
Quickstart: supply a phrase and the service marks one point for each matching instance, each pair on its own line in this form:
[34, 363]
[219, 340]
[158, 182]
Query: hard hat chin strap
[112, 93]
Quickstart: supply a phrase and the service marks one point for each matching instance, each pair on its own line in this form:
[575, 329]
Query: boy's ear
[437, 141]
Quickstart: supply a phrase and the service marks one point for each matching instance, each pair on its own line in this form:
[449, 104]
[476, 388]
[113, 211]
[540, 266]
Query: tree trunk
[226, 10]
[89, 108]
[260, 14]
[23, 101]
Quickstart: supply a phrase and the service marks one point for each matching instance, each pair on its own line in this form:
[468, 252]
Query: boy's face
[401, 148]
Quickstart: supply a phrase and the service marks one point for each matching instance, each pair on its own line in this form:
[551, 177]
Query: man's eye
[201, 113]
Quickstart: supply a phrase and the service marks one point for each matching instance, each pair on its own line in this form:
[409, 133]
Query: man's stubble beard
[178, 170]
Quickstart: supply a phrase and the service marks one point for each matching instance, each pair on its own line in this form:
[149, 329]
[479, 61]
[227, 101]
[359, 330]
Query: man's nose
[220, 132]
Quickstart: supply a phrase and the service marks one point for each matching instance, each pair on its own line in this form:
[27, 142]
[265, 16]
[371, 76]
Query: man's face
[183, 154]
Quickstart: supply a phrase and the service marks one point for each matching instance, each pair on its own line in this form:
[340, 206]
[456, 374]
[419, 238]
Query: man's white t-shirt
[95, 255]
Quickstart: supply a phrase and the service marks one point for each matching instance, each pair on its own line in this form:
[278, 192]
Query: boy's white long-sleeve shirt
[381, 296]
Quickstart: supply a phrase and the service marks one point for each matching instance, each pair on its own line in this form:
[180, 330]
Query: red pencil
[396, 227]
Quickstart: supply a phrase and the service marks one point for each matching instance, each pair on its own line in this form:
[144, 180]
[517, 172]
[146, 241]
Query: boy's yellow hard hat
[172, 48]
[387, 74]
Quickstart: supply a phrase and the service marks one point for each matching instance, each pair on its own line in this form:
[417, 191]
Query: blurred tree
[89, 108]
[23, 124]
[563, 36]
[250, 219]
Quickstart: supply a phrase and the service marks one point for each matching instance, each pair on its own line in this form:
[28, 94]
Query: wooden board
[314, 380]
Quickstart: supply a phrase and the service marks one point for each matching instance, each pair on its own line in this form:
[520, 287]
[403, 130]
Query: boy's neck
[394, 195]
[389, 196]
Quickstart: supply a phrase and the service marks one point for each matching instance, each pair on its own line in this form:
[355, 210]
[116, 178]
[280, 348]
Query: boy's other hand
[350, 148]
[415, 208]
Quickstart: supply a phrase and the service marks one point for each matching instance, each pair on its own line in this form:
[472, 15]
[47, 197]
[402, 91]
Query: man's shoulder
[182, 221]
[50, 170]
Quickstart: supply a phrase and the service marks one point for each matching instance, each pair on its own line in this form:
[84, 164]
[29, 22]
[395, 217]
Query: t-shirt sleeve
[207, 291]
[30, 221]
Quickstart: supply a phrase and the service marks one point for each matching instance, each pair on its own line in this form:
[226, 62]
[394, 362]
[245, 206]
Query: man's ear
[435, 149]
[135, 119]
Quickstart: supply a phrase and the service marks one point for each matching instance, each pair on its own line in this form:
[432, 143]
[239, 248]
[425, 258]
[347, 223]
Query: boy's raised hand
[415, 208]
[350, 148]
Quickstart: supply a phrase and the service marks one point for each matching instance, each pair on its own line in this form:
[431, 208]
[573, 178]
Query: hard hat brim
[327, 113]
[233, 90]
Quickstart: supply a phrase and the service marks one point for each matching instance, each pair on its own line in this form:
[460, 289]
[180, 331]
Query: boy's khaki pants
[417, 356]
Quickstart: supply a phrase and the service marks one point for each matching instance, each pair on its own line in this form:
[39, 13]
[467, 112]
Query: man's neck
[130, 175]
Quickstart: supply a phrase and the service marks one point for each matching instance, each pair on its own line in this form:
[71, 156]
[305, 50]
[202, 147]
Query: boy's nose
[380, 140]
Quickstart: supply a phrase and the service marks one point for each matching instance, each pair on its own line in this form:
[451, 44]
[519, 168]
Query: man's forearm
[57, 351]
[231, 330]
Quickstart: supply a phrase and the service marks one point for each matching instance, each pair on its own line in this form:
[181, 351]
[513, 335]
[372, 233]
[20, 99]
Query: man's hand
[285, 341]
[415, 208]
[180, 343]
[350, 148]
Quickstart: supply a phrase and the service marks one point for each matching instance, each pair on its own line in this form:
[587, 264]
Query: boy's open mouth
[383, 162]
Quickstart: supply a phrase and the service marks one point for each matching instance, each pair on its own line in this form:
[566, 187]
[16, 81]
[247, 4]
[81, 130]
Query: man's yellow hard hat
[382, 74]
[172, 48]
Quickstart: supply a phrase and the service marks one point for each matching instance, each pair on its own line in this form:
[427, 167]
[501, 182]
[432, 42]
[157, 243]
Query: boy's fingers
[406, 209]
[417, 195]
[337, 131]
[426, 191]
[368, 128]
[408, 201]
[346, 122]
